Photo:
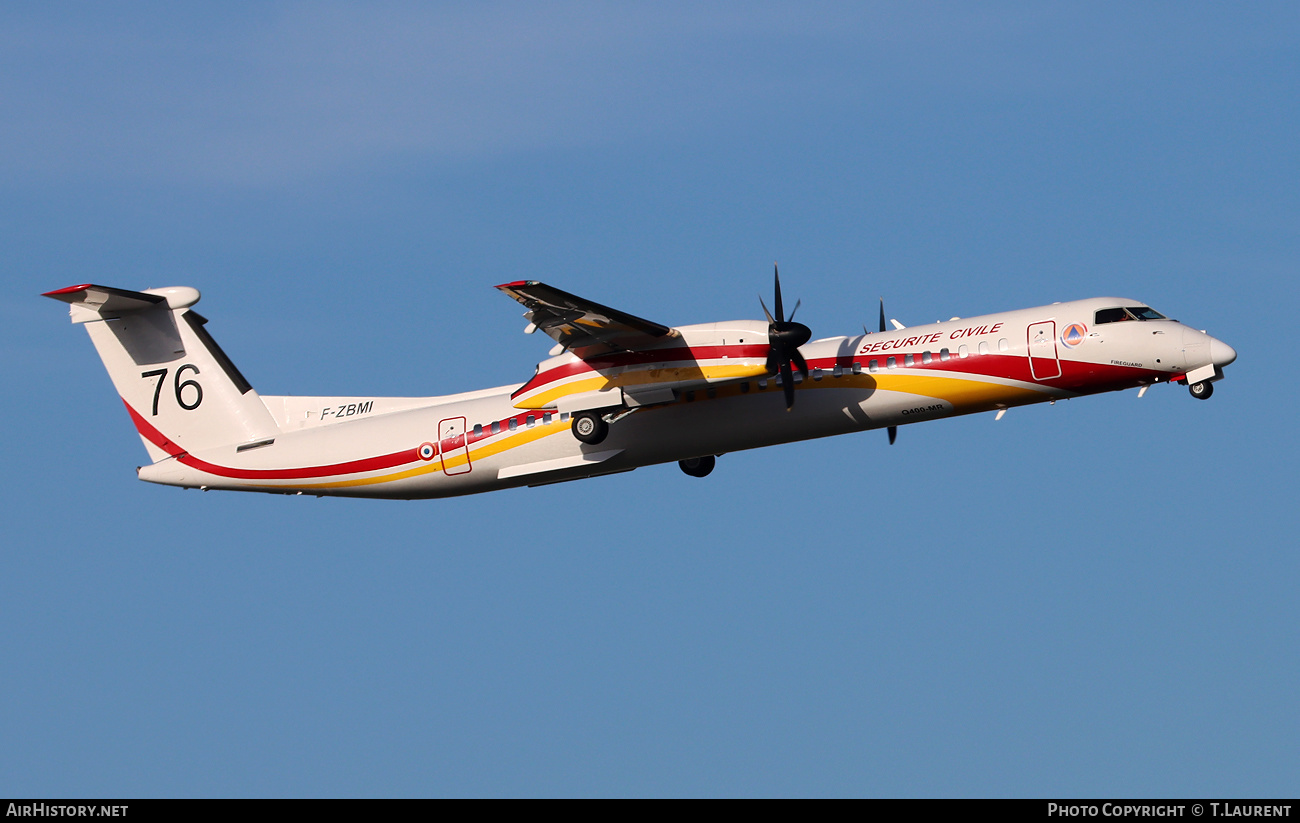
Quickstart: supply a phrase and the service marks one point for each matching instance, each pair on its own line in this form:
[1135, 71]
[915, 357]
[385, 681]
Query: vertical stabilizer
[181, 390]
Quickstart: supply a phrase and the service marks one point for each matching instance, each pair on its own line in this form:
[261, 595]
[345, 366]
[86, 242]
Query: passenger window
[963, 350]
[744, 387]
[944, 354]
[478, 429]
[837, 371]
[817, 374]
[564, 416]
[873, 366]
[857, 368]
[514, 424]
[925, 357]
[891, 362]
[546, 418]
[496, 427]
[528, 421]
[1003, 345]
[984, 347]
[907, 360]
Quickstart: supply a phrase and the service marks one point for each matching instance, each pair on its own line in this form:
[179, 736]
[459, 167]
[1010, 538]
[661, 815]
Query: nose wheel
[1201, 390]
[698, 466]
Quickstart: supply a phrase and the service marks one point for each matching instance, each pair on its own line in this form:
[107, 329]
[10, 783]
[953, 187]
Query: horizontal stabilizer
[92, 302]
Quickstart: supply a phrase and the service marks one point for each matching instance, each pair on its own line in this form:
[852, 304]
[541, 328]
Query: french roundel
[1073, 335]
[427, 451]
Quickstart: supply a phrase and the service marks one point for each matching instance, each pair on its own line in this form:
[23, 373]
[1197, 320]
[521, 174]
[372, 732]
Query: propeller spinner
[784, 338]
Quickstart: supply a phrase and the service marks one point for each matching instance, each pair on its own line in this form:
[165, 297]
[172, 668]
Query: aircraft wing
[582, 326]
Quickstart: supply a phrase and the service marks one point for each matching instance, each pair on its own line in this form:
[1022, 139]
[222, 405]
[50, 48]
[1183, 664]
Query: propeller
[893, 430]
[784, 337]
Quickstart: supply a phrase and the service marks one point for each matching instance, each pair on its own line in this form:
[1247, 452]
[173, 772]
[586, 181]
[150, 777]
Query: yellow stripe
[642, 377]
[963, 394]
[515, 440]
[547, 397]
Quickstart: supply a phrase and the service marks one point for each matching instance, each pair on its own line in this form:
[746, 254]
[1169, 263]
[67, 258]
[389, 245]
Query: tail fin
[182, 391]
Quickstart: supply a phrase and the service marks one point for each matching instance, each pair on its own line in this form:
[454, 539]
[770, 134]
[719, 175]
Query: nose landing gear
[1201, 390]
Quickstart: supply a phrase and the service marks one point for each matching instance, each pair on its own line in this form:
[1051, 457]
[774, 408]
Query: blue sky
[1091, 598]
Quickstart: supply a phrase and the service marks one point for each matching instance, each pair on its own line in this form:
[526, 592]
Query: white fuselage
[462, 444]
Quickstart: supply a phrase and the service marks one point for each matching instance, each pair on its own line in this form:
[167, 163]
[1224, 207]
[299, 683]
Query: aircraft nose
[1221, 354]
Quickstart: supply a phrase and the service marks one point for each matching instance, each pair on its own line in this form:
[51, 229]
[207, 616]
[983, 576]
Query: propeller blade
[893, 434]
[780, 312]
[787, 384]
[800, 362]
[882, 320]
[784, 337]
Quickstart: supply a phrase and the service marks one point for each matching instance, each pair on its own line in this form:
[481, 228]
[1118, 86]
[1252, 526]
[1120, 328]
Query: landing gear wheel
[589, 427]
[698, 466]
[1202, 390]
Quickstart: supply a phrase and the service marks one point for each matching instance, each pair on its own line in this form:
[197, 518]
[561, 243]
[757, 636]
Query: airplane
[617, 392]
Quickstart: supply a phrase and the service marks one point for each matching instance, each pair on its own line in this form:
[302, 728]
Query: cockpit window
[1111, 316]
[1119, 315]
[1144, 313]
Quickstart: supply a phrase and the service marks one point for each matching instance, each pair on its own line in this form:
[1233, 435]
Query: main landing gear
[590, 427]
[698, 466]
[1201, 390]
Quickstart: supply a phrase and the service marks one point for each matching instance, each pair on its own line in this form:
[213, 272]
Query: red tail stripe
[160, 440]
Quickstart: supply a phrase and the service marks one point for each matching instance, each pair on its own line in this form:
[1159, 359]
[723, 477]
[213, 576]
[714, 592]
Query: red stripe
[1075, 375]
[151, 434]
[160, 440]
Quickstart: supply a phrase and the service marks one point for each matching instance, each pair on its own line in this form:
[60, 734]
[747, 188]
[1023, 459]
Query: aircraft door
[453, 446]
[1043, 362]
